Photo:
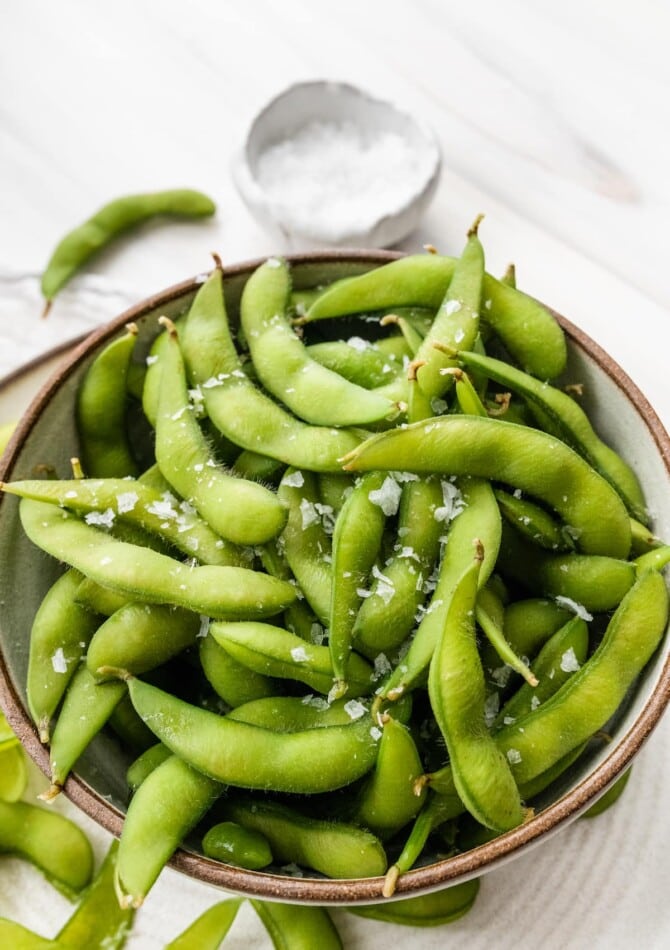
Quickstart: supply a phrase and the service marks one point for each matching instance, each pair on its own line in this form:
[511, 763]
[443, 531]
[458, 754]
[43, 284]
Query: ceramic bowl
[47, 434]
[381, 166]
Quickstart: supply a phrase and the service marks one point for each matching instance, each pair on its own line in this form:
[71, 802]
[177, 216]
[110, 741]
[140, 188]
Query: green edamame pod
[145, 763]
[99, 923]
[101, 411]
[472, 507]
[308, 389]
[135, 736]
[357, 360]
[482, 774]
[457, 319]
[561, 656]
[19, 937]
[336, 849]
[59, 636]
[568, 421]
[297, 927]
[611, 797]
[306, 543]
[524, 458]
[436, 810]
[86, 708]
[594, 693]
[208, 931]
[108, 501]
[13, 772]
[529, 332]
[238, 509]
[534, 522]
[489, 613]
[388, 801]
[148, 576]
[235, 683]
[51, 842]
[166, 806]
[428, 910]
[140, 637]
[119, 215]
[357, 539]
[241, 411]
[235, 844]
[297, 713]
[529, 623]
[272, 651]
[387, 616]
[592, 581]
[238, 754]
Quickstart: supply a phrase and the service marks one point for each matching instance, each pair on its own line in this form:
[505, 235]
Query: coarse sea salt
[326, 177]
[59, 662]
[572, 605]
[387, 497]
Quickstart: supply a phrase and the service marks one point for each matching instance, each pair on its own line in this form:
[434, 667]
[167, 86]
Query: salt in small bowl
[326, 164]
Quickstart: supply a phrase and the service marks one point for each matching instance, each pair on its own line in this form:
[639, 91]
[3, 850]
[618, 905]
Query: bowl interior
[47, 435]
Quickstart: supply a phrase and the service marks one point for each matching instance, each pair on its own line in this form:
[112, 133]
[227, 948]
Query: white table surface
[553, 120]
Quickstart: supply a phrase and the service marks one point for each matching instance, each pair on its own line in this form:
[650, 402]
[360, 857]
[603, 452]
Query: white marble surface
[553, 120]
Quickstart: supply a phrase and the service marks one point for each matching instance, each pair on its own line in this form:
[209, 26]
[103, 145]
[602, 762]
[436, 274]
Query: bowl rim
[352, 891]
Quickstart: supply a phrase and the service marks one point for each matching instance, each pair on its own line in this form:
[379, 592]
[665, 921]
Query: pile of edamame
[363, 586]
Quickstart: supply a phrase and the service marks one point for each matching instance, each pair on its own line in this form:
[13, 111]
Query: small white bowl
[324, 163]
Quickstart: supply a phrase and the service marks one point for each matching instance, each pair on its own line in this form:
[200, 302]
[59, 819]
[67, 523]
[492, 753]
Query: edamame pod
[51, 842]
[482, 774]
[306, 544]
[59, 636]
[235, 753]
[241, 411]
[530, 333]
[131, 501]
[427, 910]
[473, 511]
[101, 411]
[166, 806]
[99, 923]
[79, 245]
[567, 421]
[233, 843]
[387, 616]
[594, 693]
[235, 683]
[86, 708]
[238, 509]
[210, 929]
[311, 391]
[148, 576]
[388, 800]
[524, 458]
[272, 651]
[357, 539]
[298, 927]
[336, 849]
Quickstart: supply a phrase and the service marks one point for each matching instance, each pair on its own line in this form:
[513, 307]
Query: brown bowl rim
[357, 890]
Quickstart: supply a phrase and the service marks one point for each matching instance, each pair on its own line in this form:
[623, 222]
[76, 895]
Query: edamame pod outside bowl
[46, 435]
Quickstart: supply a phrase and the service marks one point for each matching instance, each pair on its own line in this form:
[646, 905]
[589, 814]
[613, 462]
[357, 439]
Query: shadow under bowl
[47, 433]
